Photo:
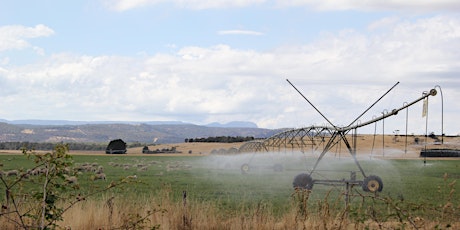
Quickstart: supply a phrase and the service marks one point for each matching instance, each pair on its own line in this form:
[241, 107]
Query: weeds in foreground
[163, 212]
[38, 198]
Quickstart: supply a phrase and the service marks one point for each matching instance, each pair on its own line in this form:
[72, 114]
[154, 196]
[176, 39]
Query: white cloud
[123, 5]
[15, 37]
[383, 23]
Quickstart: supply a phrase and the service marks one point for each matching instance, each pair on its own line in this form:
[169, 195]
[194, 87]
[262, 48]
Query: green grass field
[218, 179]
[220, 196]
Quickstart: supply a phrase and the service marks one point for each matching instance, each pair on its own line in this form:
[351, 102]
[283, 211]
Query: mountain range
[104, 131]
[232, 124]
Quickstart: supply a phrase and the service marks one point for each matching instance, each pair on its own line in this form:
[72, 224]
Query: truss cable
[374, 103]
[311, 103]
[425, 113]
[340, 149]
[373, 141]
[337, 150]
[407, 116]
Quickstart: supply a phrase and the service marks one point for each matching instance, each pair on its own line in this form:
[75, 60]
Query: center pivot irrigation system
[329, 136]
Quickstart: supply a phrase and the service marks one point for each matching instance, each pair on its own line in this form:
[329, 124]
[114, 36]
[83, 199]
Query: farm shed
[117, 146]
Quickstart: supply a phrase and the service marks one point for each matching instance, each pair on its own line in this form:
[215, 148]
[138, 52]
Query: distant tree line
[50, 146]
[18, 145]
[219, 139]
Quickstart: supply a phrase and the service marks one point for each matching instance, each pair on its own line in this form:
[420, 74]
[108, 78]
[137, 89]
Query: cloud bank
[342, 73]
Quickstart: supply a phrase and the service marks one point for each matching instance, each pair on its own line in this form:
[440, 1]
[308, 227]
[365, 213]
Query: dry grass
[161, 212]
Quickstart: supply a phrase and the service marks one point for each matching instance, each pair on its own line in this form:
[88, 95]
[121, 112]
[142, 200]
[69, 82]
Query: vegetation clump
[38, 198]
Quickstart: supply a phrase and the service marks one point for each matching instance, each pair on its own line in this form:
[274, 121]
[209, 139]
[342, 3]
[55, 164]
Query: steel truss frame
[330, 135]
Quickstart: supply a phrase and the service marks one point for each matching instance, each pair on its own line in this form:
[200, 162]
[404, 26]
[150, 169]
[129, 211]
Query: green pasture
[218, 179]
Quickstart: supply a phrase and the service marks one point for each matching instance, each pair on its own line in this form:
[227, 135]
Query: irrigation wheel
[303, 181]
[244, 168]
[372, 183]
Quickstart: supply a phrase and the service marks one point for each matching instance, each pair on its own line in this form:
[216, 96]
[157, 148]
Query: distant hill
[234, 124]
[67, 122]
[66, 131]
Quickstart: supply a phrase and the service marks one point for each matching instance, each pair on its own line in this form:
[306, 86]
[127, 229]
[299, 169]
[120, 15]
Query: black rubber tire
[278, 167]
[303, 181]
[244, 168]
[372, 183]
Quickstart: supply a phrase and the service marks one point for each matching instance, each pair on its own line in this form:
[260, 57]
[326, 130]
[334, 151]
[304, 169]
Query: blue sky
[205, 61]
